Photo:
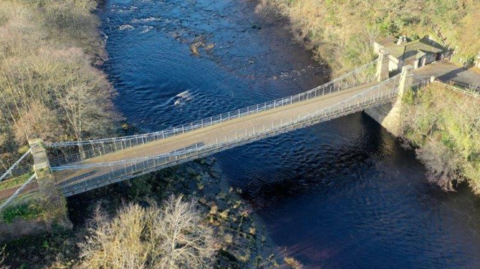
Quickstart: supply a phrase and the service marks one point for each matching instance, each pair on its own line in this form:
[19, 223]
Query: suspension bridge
[80, 166]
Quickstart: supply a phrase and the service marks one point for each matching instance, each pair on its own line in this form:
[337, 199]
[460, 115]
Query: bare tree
[442, 164]
[183, 240]
[116, 243]
[169, 237]
[50, 88]
[37, 122]
[88, 110]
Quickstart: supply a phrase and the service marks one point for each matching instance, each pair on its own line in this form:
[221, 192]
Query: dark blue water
[341, 194]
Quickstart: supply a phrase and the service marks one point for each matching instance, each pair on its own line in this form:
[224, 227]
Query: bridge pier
[389, 115]
[54, 204]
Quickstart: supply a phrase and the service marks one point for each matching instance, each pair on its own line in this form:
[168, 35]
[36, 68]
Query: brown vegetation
[444, 126]
[342, 32]
[49, 88]
[170, 237]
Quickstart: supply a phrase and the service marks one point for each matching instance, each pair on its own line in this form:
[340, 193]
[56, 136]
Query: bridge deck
[214, 133]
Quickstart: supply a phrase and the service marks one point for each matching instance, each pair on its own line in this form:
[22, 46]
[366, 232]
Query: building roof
[387, 41]
[417, 49]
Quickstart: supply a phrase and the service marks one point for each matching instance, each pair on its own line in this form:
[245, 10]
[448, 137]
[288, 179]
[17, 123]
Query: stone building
[402, 52]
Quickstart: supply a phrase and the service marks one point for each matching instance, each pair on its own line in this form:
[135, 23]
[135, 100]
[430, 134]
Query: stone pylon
[389, 115]
[406, 80]
[383, 72]
[53, 202]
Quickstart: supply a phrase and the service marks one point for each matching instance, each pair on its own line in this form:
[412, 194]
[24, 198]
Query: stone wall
[387, 116]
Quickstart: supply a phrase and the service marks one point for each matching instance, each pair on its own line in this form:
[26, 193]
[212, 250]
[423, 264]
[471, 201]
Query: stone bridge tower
[53, 202]
[389, 115]
[383, 72]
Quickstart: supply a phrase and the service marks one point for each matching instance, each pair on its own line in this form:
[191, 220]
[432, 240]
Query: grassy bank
[445, 126]
[341, 33]
[49, 85]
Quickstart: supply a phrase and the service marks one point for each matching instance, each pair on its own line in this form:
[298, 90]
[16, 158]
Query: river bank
[242, 238]
[342, 33]
[441, 121]
[51, 83]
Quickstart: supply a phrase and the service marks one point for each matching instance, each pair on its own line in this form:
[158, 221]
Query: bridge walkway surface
[449, 73]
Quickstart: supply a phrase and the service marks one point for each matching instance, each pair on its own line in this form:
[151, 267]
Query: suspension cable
[15, 164]
[17, 192]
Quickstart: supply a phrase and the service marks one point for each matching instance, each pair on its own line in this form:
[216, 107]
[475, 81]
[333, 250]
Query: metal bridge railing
[82, 178]
[93, 148]
[466, 91]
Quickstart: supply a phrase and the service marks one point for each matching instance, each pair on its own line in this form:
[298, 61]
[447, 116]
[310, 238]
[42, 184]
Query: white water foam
[125, 27]
[182, 98]
[146, 29]
[145, 20]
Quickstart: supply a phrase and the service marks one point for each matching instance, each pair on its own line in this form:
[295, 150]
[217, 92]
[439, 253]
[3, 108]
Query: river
[340, 194]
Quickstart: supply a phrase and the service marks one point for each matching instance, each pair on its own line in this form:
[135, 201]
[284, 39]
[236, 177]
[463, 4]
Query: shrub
[442, 164]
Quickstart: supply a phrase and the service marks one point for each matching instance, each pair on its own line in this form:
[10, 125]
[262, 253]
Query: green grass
[15, 182]
[27, 211]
